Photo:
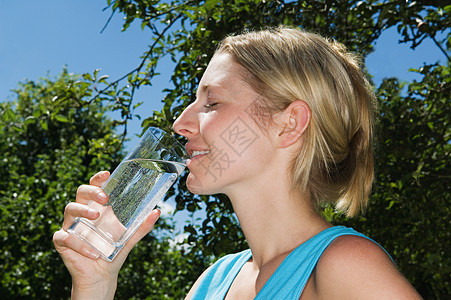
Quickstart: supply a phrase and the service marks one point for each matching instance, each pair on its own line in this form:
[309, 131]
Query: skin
[274, 216]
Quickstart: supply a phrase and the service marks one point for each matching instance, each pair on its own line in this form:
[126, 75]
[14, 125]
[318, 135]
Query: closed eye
[210, 105]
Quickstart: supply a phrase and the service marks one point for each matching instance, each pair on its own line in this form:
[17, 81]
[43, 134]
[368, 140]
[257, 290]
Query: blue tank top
[289, 279]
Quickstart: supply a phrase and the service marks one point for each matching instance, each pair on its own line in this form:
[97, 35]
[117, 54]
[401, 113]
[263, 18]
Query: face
[227, 146]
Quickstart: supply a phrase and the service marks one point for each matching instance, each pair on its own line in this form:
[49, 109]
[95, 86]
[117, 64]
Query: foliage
[53, 138]
[46, 137]
[410, 208]
[409, 213]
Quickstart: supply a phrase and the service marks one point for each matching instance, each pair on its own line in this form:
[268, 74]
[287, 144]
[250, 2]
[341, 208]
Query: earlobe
[295, 120]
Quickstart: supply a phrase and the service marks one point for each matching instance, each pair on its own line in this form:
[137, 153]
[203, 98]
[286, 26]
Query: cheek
[215, 124]
[237, 150]
[206, 119]
[242, 141]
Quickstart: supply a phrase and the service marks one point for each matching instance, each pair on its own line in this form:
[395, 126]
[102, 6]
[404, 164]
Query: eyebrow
[205, 88]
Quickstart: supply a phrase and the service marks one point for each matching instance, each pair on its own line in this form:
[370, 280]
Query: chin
[196, 190]
[196, 186]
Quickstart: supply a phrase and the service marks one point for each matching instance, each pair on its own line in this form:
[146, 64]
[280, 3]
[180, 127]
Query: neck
[275, 222]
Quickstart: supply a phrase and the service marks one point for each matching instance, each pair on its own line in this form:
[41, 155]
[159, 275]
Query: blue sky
[39, 38]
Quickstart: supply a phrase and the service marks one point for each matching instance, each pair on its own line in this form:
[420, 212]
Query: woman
[282, 121]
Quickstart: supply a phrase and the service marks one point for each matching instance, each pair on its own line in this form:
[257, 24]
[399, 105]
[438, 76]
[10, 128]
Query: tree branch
[109, 19]
[143, 60]
[440, 47]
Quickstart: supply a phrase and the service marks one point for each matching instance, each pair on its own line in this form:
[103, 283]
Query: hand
[89, 272]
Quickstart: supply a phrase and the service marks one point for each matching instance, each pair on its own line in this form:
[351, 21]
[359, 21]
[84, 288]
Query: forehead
[222, 71]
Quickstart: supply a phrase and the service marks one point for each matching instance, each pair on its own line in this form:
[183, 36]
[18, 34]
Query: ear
[294, 121]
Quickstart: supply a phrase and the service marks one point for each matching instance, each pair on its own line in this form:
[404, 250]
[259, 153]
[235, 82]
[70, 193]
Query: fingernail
[102, 196]
[93, 254]
[92, 211]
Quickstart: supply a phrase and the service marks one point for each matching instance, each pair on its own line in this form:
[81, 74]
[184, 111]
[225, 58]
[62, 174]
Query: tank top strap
[289, 279]
[219, 277]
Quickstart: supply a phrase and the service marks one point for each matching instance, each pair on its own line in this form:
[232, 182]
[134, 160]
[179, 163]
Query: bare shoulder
[353, 267]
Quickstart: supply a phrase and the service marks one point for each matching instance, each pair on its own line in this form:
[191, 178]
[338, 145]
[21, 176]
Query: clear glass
[134, 189]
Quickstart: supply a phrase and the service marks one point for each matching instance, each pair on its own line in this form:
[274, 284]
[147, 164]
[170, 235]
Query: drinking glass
[134, 189]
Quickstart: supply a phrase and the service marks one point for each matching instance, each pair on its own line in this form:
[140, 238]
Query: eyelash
[210, 105]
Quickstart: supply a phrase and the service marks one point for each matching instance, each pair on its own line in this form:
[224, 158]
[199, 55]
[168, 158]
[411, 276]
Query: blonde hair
[285, 64]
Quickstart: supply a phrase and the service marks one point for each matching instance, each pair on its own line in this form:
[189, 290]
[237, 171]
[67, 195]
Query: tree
[413, 151]
[46, 137]
[53, 138]
[62, 123]
[409, 210]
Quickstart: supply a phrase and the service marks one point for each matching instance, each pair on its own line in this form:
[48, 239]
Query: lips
[195, 154]
[198, 150]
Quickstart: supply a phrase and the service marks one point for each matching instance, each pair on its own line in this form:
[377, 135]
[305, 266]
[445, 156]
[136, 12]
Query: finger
[74, 210]
[88, 193]
[143, 230]
[68, 243]
[99, 179]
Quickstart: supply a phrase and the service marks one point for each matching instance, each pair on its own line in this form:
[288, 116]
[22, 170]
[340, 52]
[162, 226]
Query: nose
[187, 123]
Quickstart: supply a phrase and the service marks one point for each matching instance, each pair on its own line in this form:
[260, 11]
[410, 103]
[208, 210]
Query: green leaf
[44, 124]
[37, 113]
[103, 78]
[87, 76]
[61, 118]
[9, 115]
